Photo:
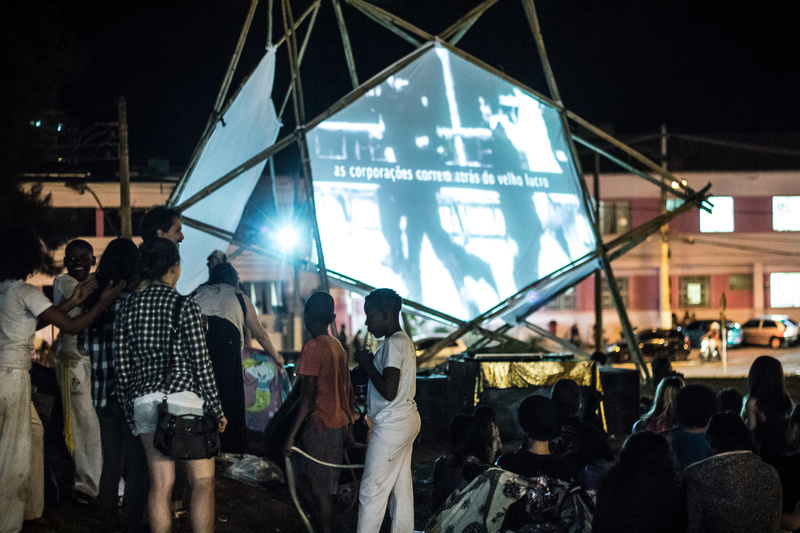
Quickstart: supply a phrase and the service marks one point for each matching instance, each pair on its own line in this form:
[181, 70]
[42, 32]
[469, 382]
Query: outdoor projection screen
[450, 185]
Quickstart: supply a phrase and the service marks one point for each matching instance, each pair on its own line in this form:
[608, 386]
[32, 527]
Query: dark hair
[319, 307]
[695, 405]
[485, 415]
[727, 432]
[766, 383]
[538, 417]
[644, 449]
[156, 257]
[661, 367]
[161, 218]
[567, 396]
[385, 300]
[223, 274]
[77, 243]
[25, 253]
[464, 436]
[730, 400]
[119, 262]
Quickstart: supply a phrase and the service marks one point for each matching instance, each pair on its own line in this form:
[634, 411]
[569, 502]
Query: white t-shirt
[63, 287]
[396, 351]
[221, 301]
[20, 305]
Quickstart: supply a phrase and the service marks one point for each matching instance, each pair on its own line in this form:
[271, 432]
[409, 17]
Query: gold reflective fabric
[505, 375]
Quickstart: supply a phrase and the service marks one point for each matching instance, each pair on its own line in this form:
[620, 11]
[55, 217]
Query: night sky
[710, 68]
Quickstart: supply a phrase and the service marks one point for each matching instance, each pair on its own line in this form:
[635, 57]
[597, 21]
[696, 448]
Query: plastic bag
[254, 471]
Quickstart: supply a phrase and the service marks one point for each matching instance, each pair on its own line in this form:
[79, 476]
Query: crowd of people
[695, 461]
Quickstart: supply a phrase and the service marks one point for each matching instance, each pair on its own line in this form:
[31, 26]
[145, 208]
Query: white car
[771, 330]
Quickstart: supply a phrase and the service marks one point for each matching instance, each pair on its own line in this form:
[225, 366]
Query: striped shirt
[142, 349]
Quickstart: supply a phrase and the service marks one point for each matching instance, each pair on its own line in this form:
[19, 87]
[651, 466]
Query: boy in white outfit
[74, 371]
[392, 373]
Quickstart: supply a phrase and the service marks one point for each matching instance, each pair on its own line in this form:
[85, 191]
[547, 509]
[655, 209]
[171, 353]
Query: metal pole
[598, 276]
[124, 172]
[666, 304]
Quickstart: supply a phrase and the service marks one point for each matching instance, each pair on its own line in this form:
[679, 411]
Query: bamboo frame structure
[515, 308]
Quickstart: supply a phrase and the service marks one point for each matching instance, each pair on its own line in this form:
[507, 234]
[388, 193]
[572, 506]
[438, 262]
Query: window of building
[695, 291]
[740, 282]
[615, 217]
[566, 301]
[622, 287]
[720, 219]
[784, 289]
[786, 213]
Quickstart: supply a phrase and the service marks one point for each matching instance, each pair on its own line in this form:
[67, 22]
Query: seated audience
[733, 491]
[694, 406]
[578, 441]
[641, 492]
[488, 433]
[787, 463]
[767, 406]
[661, 416]
[730, 400]
[455, 470]
[539, 419]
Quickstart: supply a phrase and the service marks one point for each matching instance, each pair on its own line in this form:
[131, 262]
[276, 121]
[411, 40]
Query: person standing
[162, 222]
[392, 374]
[22, 308]
[74, 370]
[326, 407]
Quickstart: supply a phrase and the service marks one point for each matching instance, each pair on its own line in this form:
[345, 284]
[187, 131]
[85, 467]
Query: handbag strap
[173, 339]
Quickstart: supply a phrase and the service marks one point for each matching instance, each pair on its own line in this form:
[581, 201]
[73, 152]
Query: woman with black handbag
[161, 353]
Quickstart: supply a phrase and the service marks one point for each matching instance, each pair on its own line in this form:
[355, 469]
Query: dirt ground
[242, 507]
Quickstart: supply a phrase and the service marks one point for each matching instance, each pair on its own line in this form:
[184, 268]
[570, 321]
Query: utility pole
[124, 172]
[666, 307]
[598, 276]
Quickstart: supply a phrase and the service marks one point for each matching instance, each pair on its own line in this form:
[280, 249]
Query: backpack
[556, 506]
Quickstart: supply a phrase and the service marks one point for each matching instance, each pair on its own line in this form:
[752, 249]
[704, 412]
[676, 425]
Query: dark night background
[711, 68]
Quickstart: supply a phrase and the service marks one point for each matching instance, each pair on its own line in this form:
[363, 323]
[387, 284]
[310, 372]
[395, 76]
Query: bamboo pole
[533, 21]
[456, 31]
[236, 172]
[348, 50]
[311, 23]
[302, 142]
[216, 113]
[391, 22]
[124, 172]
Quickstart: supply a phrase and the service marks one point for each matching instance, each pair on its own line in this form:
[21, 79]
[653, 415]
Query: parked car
[771, 330]
[698, 328]
[653, 342]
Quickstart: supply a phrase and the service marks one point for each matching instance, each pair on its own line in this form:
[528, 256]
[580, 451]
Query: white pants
[387, 476]
[88, 452]
[15, 447]
[34, 506]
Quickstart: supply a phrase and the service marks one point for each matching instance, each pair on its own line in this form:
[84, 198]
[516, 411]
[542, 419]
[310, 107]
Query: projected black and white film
[449, 184]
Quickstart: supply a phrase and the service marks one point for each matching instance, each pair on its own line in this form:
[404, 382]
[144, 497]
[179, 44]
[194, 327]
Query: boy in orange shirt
[326, 407]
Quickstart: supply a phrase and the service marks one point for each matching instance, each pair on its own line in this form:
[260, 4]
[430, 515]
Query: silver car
[771, 330]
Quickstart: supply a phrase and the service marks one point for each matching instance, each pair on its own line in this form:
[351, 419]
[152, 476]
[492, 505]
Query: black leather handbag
[184, 436]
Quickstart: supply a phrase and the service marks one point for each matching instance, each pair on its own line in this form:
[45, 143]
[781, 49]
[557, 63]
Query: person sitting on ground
[326, 407]
[641, 492]
[538, 417]
[694, 407]
[455, 470]
[733, 491]
[787, 463]
[488, 433]
[661, 367]
[730, 400]
[661, 416]
[767, 405]
[578, 441]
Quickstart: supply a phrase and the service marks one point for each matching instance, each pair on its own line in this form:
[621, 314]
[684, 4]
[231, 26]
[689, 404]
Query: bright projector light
[287, 239]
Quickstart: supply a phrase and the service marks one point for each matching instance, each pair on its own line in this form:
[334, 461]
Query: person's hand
[111, 292]
[363, 357]
[223, 423]
[288, 445]
[84, 289]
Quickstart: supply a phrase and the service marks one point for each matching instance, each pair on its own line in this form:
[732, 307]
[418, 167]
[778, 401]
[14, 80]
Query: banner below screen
[448, 184]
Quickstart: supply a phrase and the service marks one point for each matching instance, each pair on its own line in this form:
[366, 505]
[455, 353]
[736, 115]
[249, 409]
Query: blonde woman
[661, 416]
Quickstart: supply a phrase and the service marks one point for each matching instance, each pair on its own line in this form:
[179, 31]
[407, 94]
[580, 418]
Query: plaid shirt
[142, 349]
[98, 342]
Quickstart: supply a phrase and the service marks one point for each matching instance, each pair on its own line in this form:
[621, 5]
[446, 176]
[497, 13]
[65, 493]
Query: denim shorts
[145, 409]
